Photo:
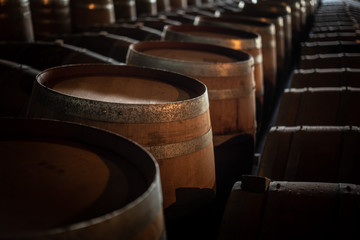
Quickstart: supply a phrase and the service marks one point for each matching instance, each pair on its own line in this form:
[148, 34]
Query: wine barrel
[227, 73]
[16, 23]
[166, 113]
[50, 18]
[260, 208]
[325, 77]
[312, 154]
[319, 106]
[296, 12]
[327, 47]
[330, 60]
[332, 36]
[178, 4]
[125, 10]
[236, 39]
[112, 45]
[267, 33]
[278, 9]
[87, 13]
[157, 23]
[146, 8]
[134, 31]
[42, 54]
[266, 17]
[163, 6]
[67, 181]
[15, 87]
[331, 29]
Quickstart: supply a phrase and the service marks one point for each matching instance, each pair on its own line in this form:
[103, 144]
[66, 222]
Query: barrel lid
[236, 39]
[109, 151]
[200, 59]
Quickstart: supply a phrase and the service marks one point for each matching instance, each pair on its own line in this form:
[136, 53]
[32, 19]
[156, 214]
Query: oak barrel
[330, 60]
[50, 18]
[325, 77]
[227, 73]
[236, 39]
[319, 106]
[86, 13]
[266, 17]
[62, 180]
[16, 23]
[45, 54]
[125, 10]
[327, 47]
[112, 45]
[311, 153]
[15, 87]
[260, 208]
[167, 113]
[268, 38]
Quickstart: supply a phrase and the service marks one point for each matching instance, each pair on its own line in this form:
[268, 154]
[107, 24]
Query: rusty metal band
[118, 112]
[220, 94]
[201, 69]
[181, 148]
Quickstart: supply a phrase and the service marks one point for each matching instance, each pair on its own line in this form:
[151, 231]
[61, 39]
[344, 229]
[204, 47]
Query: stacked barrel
[306, 183]
[194, 87]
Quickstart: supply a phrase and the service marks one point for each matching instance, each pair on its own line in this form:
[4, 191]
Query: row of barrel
[307, 182]
[172, 83]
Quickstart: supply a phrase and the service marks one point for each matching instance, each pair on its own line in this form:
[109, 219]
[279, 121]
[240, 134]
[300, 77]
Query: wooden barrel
[15, 21]
[332, 36]
[50, 18]
[85, 13]
[135, 31]
[112, 45]
[334, 23]
[330, 29]
[175, 4]
[67, 181]
[167, 113]
[125, 10]
[326, 47]
[236, 39]
[325, 77]
[15, 87]
[267, 17]
[319, 106]
[262, 209]
[276, 8]
[330, 60]
[267, 33]
[194, 3]
[227, 73]
[311, 153]
[43, 55]
[163, 6]
[146, 7]
[157, 23]
[296, 19]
